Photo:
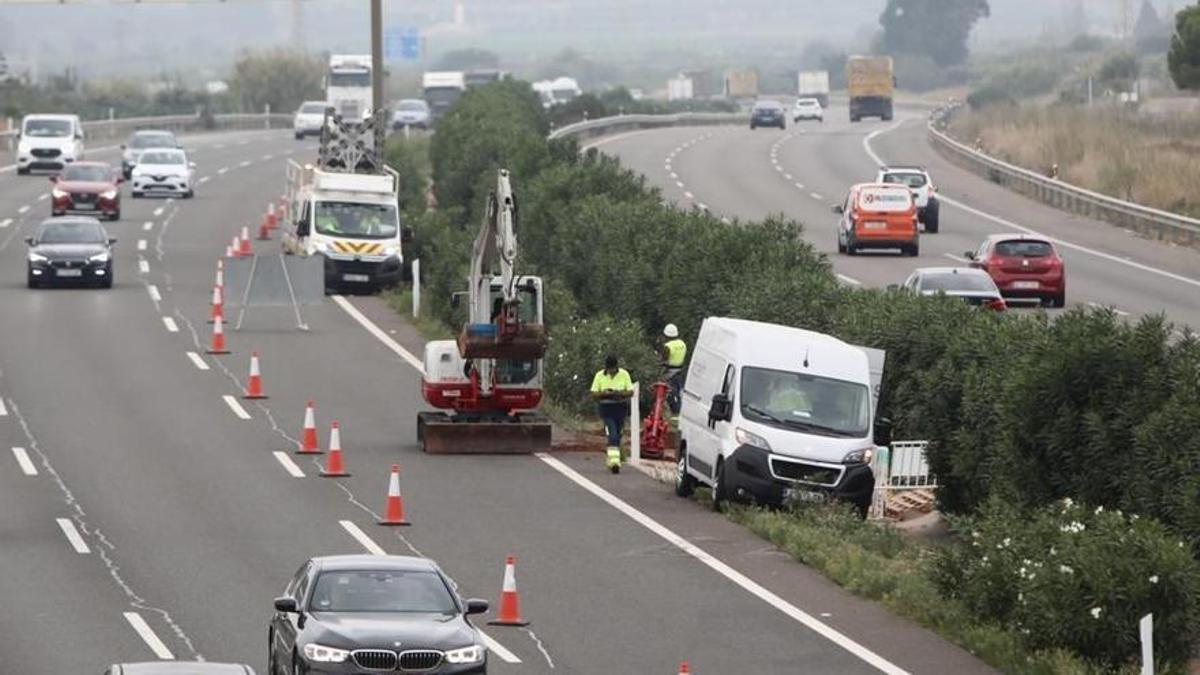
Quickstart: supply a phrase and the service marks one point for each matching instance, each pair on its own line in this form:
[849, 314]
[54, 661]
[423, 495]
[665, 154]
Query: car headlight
[860, 456]
[57, 193]
[323, 654]
[111, 194]
[472, 654]
[37, 257]
[390, 251]
[744, 437]
[100, 257]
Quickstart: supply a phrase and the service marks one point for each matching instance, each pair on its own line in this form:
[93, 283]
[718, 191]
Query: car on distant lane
[74, 249]
[1023, 266]
[179, 668]
[808, 109]
[878, 216]
[971, 285]
[309, 119]
[86, 187]
[411, 112]
[920, 182]
[767, 113]
[165, 172]
[141, 141]
[49, 142]
[355, 613]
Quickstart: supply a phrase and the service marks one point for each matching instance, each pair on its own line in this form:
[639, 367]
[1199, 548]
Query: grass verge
[400, 300]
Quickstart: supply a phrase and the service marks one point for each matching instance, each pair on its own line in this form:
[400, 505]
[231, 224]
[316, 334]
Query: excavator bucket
[481, 341]
[443, 434]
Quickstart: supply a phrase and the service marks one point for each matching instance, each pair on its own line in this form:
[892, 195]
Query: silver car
[165, 172]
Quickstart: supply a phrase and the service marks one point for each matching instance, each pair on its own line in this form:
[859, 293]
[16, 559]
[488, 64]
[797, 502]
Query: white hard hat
[671, 331]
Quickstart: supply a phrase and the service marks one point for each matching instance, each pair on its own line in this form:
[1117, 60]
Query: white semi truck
[348, 86]
[442, 89]
[813, 84]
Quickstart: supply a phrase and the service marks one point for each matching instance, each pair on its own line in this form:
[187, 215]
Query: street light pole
[377, 54]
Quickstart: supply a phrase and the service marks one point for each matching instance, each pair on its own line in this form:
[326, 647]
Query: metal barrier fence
[607, 125]
[1149, 222]
[103, 130]
[898, 468]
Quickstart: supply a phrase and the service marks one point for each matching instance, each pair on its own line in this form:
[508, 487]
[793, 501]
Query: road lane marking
[288, 465]
[498, 648]
[158, 212]
[674, 176]
[680, 184]
[222, 171]
[267, 158]
[689, 195]
[816, 195]
[23, 210]
[748, 584]
[849, 280]
[799, 186]
[143, 266]
[43, 197]
[1114, 310]
[197, 361]
[702, 206]
[68, 528]
[244, 163]
[23, 459]
[148, 225]
[955, 258]
[378, 333]
[610, 139]
[3, 410]
[236, 407]
[6, 222]
[172, 327]
[204, 179]
[141, 245]
[362, 538]
[787, 176]
[147, 634]
[153, 291]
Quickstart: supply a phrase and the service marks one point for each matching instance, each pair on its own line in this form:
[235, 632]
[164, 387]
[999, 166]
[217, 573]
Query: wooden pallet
[903, 502]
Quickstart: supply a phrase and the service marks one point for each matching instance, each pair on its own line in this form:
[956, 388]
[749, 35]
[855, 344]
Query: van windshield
[803, 402]
[47, 128]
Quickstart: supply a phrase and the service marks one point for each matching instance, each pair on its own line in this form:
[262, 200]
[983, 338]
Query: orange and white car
[878, 216]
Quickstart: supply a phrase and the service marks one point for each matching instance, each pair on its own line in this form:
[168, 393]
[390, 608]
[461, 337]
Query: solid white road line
[236, 407]
[23, 210]
[3, 410]
[378, 333]
[362, 538]
[147, 634]
[288, 465]
[153, 291]
[148, 225]
[725, 570]
[497, 648]
[143, 266]
[955, 258]
[158, 212]
[43, 197]
[27, 466]
[197, 361]
[172, 327]
[6, 222]
[68, 528]
[849, 280]
[141, 245]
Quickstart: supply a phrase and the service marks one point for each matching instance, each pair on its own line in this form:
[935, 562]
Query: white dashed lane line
[1114, 310]
[236, 407]
[204, 179]
[288, 465]
[955, 258]
[24, 462]
[5, 223]
[43, 197]
[702, 206]
[148, 225]
[362, 538]
[816, 195]
[244, 163]
[223, 170]
[23, 210]
[141, 245]
[158, 212]
[144, 267]
[153, 291]
[3, 410]
[799, 186]
[172, 327]
[689, 195]
[197, 361]
[147, 634]
[73, 537]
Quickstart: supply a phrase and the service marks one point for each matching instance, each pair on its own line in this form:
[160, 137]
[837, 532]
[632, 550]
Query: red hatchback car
[87, 187]
[1023, 266]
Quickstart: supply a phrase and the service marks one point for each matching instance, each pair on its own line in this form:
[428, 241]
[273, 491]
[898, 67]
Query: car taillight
[996, 305]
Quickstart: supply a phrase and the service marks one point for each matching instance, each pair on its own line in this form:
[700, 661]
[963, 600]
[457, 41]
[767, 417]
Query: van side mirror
[969, 255]
[838, 208]
[112, 241]
[303, 226]
[286, 605]
[29, 241]
[721, 409]
[476, 606]
[883, 431]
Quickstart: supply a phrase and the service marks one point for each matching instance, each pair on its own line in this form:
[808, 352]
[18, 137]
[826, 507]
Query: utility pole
[377, 54]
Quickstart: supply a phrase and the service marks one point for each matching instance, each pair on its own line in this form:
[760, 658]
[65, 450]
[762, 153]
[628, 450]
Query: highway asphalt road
[146, 511]
[804, 170]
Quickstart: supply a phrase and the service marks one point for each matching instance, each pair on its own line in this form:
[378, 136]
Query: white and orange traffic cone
[217, 345]
[264, 230]
[244, 249]
[333, 466]
[394, 512]
[220, 281]
[254, 388]
[272, 220]
[308, 437]
[510, 610]
[683, 668]
[218, 305]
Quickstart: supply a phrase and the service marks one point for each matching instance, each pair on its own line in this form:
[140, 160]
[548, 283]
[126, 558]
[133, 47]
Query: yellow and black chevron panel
[359, 247]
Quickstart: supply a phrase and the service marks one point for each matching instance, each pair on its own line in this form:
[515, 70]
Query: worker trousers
[613, 414]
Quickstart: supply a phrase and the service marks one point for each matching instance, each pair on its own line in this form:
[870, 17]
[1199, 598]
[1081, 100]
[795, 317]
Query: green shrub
[410, 158]
[989, 95]
[1074, 577]
[577, 351]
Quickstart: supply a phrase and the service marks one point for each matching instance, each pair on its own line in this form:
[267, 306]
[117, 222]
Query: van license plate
[359, 278]
[874, 225]
[807, 496]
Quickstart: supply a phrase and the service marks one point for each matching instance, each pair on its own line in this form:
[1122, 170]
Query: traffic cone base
[333, 465]
[394, 512]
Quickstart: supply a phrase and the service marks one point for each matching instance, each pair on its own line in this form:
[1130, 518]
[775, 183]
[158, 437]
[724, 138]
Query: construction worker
[674, 354]
[612, 387]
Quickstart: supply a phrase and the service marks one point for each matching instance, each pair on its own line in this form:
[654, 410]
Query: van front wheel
[718, 486]
[685, 484]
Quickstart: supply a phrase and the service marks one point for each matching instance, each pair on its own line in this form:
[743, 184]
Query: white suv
[49, 142]
[917, 179]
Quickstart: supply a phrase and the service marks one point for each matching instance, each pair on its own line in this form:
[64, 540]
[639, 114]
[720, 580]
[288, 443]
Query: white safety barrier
[608, 125]
[416, 287]
[898, 468]
[110, 129]
[635, 426]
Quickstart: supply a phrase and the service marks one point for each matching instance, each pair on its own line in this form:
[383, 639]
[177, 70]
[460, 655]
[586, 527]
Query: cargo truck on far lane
[870, 83]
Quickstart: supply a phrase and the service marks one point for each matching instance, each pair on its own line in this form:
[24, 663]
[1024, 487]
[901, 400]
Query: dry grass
[1151, 161]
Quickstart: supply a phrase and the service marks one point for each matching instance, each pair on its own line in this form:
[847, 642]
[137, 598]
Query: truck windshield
[803, 402]
[359, 221]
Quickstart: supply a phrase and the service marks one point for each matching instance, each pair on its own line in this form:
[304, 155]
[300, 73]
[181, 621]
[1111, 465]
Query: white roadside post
[635, 428]
[416, 287]
[1146, 628]
[881, 467]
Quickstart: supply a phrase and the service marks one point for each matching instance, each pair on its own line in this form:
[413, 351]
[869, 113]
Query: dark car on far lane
[360, 613]
[178, 668]
[87, 187]
[74, 249]
[768, 113]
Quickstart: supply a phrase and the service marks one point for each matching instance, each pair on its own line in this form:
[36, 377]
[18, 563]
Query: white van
[773, 414]
[49, 142]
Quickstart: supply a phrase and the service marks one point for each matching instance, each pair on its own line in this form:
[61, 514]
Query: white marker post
[416, 287]
[1146, 628]
[635, 427]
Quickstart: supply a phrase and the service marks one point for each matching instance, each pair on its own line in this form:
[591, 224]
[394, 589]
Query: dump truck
[870, 83]
[741, 84]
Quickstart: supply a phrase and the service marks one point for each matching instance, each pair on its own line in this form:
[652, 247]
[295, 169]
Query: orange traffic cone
[683, 668]
[272, 220]
[308, 437]
[510, 611]
[282, 211]
[333, 467]
[218, 304]
[264, 230]
[235, 248]
[244, 249]
[254, 388]
[394, 513]
[217, 346]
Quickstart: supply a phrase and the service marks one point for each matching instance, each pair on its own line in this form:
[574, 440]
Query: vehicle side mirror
[112, 241]
[29, 241]
[53, 179]
[286, 605]
[969, 255]
[120, 179]
[303, 226]
[476, 606]
[406, 235]
[721, 409]
[883, 431]
[455, 300]
[838, 208]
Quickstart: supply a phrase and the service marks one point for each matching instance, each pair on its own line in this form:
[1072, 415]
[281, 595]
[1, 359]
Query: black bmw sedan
[355, 613]
[75, 249]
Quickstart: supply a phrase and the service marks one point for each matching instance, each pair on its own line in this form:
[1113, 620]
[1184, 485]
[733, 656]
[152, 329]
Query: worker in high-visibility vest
[674, 354]
[612, 387]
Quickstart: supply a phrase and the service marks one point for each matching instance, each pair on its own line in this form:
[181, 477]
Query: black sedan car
[179, 668]
[73, 249]
[355, 613]
[768, 113]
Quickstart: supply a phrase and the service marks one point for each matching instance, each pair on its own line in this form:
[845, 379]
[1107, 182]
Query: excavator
[487, 384]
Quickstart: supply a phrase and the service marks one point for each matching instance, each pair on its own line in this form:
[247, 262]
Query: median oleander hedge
[1018, 408]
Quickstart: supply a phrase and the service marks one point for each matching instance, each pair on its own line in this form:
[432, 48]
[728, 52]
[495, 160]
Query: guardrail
[607, 125]
[1153, 223]
[101, 130]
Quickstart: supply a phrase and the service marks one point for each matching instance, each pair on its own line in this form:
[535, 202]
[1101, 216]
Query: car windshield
[141, 141]
[805, 402]
[912, 180]
[171, 158]
[360, 79]
[364, 221]
[71, 233]
[1019, 248]
[313, 108]
[411, 105]
[418, 591]
[47, 128]
[963, 283]
[87, 174]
